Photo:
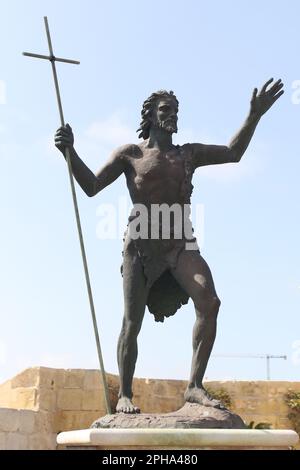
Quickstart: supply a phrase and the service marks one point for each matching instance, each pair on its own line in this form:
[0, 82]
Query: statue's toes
[218, 404]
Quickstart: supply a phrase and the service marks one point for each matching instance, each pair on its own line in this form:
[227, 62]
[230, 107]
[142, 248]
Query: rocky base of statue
[191, 415]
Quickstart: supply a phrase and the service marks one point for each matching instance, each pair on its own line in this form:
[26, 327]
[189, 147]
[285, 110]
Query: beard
[169, 126]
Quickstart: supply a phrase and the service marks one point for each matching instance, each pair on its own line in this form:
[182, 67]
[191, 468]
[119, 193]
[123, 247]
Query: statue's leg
[135, 298]
[194, 276]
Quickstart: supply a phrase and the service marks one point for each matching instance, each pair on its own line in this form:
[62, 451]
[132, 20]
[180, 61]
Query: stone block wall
[62, 400]
[26, 429]
[259, 401]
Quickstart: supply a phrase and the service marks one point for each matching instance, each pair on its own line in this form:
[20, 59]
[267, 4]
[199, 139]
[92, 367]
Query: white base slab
[173, 439]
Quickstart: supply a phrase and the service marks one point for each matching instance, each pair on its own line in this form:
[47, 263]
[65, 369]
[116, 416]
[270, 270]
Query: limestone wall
[260, 401]
[25, 429]
[72, 399]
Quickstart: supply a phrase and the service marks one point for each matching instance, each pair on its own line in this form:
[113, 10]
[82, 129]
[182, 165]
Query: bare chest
[159, 166]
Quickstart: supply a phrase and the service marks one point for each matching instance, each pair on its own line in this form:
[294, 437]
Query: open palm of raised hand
[261, 102]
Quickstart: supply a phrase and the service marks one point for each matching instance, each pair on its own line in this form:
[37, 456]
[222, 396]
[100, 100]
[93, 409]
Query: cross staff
[51, 57]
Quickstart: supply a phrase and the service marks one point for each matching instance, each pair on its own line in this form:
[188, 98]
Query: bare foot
[201, 396]
[125, 405]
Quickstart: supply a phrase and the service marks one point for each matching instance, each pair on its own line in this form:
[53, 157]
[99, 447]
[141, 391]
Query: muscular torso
[153, 176]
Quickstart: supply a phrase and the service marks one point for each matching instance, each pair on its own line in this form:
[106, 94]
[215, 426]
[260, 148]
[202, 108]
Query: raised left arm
[260, 103]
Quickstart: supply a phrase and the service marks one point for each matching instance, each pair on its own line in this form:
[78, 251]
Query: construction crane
[267, 357]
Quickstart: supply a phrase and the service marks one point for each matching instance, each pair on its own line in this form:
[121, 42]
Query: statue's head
[159, 110]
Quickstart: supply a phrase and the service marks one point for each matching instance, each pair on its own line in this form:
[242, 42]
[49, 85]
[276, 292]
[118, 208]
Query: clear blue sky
[212, 54]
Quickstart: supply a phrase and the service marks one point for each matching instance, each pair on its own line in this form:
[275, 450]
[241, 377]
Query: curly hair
[147, 109]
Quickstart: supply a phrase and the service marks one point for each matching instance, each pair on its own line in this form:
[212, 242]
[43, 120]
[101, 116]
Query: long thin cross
[51, 57]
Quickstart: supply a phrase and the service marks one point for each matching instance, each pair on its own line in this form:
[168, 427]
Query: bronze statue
[158, 272]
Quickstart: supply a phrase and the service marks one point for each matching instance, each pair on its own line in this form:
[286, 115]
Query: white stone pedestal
[177, 439]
